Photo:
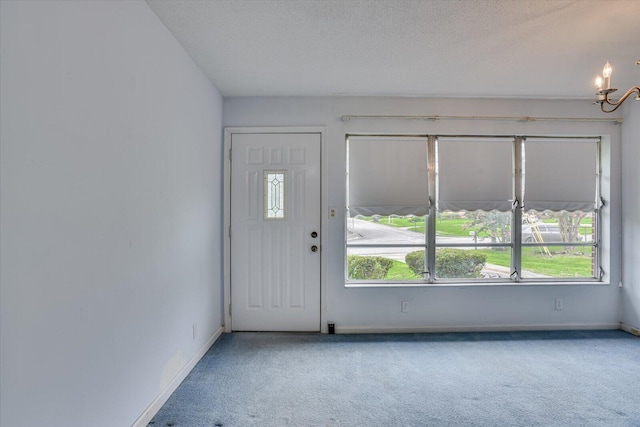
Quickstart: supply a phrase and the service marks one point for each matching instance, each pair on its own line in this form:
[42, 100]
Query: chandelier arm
[619, 102]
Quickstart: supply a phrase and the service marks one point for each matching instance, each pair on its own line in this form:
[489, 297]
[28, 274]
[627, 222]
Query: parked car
[550, 233]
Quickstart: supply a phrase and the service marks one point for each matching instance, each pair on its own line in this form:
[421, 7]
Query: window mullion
[516, 218]
[431, 218]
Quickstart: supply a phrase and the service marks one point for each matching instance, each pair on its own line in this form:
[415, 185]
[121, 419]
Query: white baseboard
[480, 328]
[631, 329]
[162, 398]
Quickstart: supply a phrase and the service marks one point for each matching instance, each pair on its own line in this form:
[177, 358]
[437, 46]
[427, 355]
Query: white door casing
[274, 272]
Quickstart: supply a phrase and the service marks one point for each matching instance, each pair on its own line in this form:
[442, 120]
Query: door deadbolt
[314, 248]
[314, 234]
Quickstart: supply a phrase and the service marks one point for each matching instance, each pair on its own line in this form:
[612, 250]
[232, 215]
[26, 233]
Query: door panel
[275, 207]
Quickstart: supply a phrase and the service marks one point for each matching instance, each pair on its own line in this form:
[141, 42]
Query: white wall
[446, 308]
[110, 211]
[631, 215]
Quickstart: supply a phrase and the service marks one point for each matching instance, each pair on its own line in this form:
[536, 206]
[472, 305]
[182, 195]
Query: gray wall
[446, 308]
[110, 212]
[631, 214]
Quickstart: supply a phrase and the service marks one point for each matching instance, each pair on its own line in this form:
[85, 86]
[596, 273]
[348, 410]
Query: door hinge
[229, 154]
[229, 310]
[229, 231]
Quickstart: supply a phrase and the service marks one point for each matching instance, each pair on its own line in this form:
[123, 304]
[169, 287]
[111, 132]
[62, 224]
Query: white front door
[275, 232]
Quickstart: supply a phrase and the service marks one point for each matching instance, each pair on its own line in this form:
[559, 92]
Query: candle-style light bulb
[606, 73]
[599, 83]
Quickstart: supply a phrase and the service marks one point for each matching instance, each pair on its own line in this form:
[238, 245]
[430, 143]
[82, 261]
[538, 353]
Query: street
[371, 233]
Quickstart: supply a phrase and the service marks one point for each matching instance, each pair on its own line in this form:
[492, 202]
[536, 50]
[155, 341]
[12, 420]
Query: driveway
[371, 233]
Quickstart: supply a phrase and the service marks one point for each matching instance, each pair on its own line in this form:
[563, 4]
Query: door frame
[228, 132]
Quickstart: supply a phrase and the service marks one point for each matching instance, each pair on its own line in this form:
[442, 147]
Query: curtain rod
[614, 120]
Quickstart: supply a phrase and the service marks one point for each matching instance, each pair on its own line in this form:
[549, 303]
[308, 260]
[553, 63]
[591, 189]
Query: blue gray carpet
[579, 378]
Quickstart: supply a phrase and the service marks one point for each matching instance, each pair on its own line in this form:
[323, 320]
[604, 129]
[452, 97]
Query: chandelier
[603, 84]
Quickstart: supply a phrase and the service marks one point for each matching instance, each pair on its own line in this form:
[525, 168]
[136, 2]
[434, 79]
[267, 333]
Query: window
[274, 194]
[388, 192]
[438, 209]
[559, 213]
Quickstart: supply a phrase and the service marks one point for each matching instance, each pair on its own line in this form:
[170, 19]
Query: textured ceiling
[481, 48]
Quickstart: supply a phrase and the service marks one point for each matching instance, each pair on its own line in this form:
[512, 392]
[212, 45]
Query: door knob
[314, 234]
[314, 248]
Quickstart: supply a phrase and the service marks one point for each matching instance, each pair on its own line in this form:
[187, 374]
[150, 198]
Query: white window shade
[560, 174]
[475, 174]
[387, 176]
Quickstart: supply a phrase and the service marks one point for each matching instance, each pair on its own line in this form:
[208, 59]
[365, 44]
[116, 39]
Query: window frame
[516, 243]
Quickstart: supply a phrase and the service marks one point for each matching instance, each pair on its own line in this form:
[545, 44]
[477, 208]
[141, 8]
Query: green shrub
[415, 261]
[450, 263]
[368, 267]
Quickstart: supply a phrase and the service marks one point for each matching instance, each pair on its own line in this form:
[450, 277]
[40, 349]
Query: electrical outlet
[195, 330]
[404, 306]
[559, 304]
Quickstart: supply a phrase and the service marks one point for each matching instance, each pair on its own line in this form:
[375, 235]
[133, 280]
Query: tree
[569, 224]
[496, 225]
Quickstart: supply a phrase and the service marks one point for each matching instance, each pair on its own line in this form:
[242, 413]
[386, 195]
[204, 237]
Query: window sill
[473, 284]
